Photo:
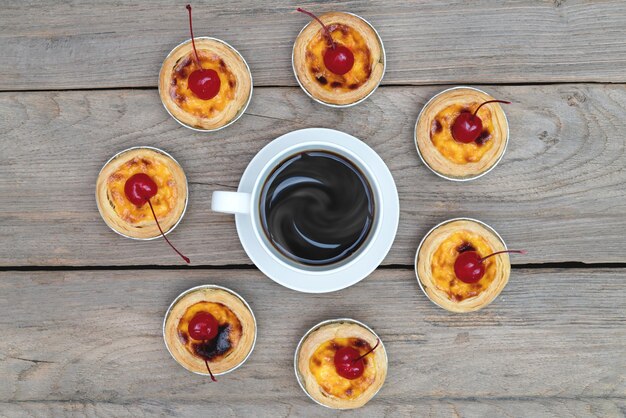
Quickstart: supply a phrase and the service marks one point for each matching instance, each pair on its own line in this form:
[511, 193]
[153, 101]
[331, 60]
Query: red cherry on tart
[469, 266]
[139, 188]
[204, 83]
[346, 363]
[468, 127]
[203, 326]
[337, 58]
[349, 362]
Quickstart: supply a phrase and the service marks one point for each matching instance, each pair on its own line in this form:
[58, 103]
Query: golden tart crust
[316, 370]
[444, 155]
[235, 339]
[235, 88]
[137, 222]
[435, 265]
[333, 89]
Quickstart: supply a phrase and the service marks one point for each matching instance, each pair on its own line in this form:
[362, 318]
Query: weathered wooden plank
[85, 44]
[90, 341]
[478, 408]
[558, 191]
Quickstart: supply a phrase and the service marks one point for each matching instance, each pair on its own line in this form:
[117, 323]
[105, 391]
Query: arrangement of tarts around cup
[452, 159]
[195, 113]
[122, 216]
[231, 346]
[339, 90]
[245, 204]
[435, 265]
[313, 361]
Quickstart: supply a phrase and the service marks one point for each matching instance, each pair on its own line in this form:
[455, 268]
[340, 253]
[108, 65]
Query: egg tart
[317, 372]
[325, 86]
[235, 90]
[169, 203]
[435, 265]
[233, 339]
[453, 159]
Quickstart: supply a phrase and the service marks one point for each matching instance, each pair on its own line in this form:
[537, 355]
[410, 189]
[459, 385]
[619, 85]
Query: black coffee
[317, 208]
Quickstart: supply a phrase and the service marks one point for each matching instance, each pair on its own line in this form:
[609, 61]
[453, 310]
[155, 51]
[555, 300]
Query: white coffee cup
[245, 205]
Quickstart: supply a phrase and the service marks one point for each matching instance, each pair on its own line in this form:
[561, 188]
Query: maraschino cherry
[349, 362]
[204, 326]
[468, 126]
[337, 58]
[139, 188]
[205, 84]
[469, 266]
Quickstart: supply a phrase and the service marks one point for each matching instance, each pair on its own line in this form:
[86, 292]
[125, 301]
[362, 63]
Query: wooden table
[81, 308]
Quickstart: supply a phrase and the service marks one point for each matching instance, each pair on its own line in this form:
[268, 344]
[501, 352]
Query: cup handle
[231, 202]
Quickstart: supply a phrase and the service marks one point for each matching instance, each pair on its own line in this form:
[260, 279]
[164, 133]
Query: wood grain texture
[470, 408]
[86, 44]
[89, 342]
[558, 192]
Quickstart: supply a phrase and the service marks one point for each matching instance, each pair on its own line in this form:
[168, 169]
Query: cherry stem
[505, 251]
[326, 31]
[374, 348]
[168, 241]
[490, 101]
[192, 37]
[209, 369]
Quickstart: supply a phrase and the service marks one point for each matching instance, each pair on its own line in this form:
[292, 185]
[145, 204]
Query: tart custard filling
[454, 151]
[163, 202]
[351, 39]
[187, 100]
[322, 366]
[229, 331]
[442, 265]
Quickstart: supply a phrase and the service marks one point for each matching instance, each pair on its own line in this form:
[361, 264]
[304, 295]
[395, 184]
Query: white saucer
[366, 260]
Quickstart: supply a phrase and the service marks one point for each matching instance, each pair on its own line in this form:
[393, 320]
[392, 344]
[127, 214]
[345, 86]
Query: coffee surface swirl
[317, 208]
